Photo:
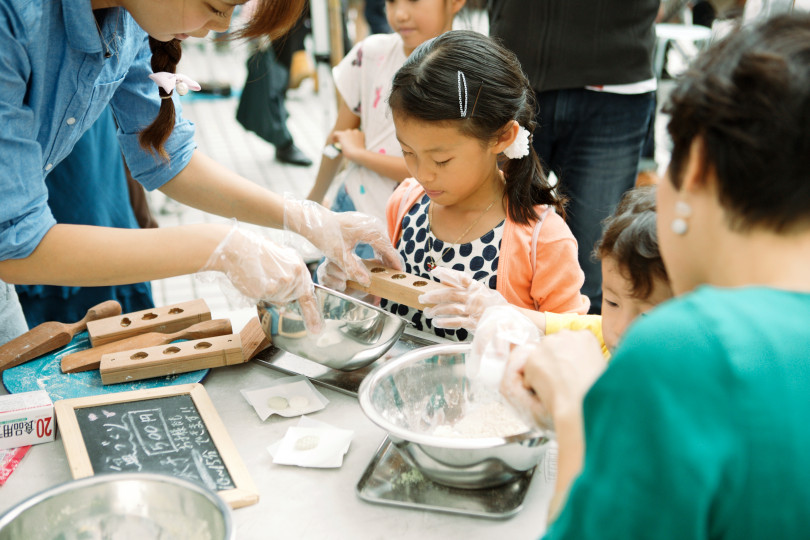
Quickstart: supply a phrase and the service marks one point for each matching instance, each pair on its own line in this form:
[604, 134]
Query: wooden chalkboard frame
[245, 492]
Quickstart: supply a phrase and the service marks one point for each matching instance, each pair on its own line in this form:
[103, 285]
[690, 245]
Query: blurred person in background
[590, 64]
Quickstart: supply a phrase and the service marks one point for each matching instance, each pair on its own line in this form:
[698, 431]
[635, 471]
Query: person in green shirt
[698, 427]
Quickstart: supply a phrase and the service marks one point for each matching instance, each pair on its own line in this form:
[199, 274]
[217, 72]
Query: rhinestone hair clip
[462, 80]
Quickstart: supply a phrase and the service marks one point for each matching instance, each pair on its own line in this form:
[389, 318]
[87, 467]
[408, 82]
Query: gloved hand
[461, 305]
[517, 392]
[262, 270]
[554, 374]
[500, 329]
[332, 277]
[336, 234]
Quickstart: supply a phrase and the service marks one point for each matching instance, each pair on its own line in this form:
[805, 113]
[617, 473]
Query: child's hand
[500, 330]
[561, 369]
[462, 304]
[352, 142]
[523, 399]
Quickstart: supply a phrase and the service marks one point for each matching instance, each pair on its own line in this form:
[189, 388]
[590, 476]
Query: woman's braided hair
[271, 19]
[165, 56]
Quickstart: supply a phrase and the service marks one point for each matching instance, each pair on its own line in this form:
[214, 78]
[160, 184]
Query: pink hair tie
[171, 81]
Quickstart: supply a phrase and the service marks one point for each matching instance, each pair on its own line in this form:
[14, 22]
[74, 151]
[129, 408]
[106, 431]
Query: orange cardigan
[537, 266]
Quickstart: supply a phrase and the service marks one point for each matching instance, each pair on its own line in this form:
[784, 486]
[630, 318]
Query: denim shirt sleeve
[24, 213]
[53, 85]
[136, 103]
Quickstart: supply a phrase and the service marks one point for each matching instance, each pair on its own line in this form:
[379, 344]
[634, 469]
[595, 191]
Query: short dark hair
[629, 237]
[427, 87]
[747, 98]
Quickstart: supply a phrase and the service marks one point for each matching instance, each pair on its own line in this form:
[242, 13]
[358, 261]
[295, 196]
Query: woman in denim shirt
[63, 62]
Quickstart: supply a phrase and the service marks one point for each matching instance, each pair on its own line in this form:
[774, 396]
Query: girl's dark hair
[629, 238]
[427, 88]
[271, 19]
[747, 98]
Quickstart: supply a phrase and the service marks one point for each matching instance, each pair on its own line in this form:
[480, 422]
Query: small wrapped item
[312, 444]
[291, 396]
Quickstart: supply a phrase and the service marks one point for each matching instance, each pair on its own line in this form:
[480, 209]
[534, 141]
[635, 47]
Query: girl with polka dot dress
[478, 202]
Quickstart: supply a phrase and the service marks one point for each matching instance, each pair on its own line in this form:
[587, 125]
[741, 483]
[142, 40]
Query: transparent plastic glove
[554, 374]
[514, 389]
[500, 329]
[262, 270]
[332, 277]
[336, 234]
[462, 304]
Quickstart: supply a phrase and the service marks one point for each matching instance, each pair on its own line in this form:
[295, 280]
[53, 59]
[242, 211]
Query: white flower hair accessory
[520, 146]
[175, 81]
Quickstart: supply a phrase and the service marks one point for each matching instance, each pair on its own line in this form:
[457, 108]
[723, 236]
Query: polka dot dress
[420, 250]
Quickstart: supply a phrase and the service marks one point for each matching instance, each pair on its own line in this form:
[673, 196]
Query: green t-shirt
[700, 426]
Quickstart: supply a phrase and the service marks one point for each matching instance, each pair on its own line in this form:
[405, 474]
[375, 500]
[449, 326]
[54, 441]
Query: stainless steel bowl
[410, 395]
[354, 335]
[123, 506]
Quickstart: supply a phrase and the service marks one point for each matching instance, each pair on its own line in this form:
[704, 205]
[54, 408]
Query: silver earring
[679, 225]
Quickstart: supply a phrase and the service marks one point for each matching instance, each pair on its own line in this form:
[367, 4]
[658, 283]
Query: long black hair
[472, 80]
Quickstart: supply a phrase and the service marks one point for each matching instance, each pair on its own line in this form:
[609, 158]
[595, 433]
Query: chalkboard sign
[173, 430]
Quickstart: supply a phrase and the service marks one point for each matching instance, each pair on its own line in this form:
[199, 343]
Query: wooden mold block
[170, 359]
[404, 288]
[396, 286]
[164, 319]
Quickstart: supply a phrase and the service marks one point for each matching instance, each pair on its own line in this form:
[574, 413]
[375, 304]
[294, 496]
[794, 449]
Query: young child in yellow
[634, 279]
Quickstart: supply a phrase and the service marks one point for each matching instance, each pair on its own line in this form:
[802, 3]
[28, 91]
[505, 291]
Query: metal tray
[347, 382]
[391, 481]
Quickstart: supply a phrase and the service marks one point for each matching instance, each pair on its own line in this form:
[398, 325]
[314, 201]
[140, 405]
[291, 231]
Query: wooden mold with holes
[164, 319]
[404, 288]
[170, 359]
[396, 286]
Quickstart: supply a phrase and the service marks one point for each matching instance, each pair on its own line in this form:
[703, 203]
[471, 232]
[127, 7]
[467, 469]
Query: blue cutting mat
[45, 373]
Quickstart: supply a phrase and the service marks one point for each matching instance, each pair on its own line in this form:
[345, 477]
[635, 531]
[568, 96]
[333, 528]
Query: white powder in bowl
[491, 419]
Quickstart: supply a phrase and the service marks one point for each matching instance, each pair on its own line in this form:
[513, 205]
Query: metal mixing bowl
[411, 395]
[354, 335]
[123, 506]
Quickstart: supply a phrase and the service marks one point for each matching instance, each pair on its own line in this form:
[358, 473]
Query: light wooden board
[165, 319]
[396, 286]
[172, 358]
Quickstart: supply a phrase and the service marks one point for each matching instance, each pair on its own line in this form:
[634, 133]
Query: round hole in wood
[419, 283]
[139, 356]
[125, 321]
[175, 311]
[377, 270]
[171, 350]
[149, 316]
[398, 276]
[202, 345]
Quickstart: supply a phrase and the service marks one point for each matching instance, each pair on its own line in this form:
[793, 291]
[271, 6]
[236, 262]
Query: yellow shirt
[571, 321]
